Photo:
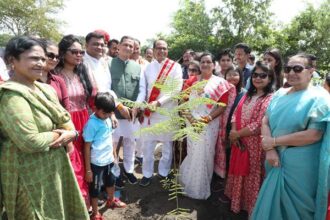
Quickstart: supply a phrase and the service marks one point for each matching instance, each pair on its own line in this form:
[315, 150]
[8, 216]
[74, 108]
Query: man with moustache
[168, 71]
[125, 75]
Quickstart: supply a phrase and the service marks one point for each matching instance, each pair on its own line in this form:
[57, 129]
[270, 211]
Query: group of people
[265, 141]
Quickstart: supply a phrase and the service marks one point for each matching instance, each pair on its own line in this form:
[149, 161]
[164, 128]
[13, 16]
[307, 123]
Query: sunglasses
[260, 75]
[192, 70]
[76, 52]
[52, 56]
[295, 68]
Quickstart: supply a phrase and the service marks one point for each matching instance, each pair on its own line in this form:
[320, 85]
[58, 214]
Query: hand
[272, 158]
[124, 111]
[89, 176]
[205, 119]
[267, 143]
[233, 136]
[114, 121]
[64, 138]
[153, 105]
[135, 112]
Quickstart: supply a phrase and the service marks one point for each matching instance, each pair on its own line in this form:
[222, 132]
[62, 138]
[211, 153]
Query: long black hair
[271, 75]
[275, 53]
[81, 70]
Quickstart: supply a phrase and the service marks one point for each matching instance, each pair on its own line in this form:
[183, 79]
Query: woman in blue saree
[296, 138]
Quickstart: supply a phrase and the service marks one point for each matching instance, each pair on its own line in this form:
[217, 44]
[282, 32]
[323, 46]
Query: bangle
[77, 135]
[88, 171]
[274, 141]
[210, 118]
[120, 107]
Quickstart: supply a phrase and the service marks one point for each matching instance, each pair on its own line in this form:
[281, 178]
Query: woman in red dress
[246, 170]
[80, 89]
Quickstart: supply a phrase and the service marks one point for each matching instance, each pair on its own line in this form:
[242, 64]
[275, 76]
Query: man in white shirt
[97, 66]
[170, 71]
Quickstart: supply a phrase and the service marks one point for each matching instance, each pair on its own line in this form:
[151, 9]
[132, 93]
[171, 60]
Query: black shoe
[161, 177]
[170, 176]
[119, 183]
[145, 181]
[139, 160]
[223, 198]
[131, 178]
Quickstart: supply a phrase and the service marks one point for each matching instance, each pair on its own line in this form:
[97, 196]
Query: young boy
[99, 153]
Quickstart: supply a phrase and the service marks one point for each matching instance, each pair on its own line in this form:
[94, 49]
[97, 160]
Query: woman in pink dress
[80, 90]
[246, 169]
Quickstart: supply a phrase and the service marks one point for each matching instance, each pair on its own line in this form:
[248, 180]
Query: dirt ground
[151, 202]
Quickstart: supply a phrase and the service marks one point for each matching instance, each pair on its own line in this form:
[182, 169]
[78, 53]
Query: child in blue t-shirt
[99, 153]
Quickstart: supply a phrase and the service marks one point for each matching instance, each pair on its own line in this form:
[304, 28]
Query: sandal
[115, 203]
[98, 216]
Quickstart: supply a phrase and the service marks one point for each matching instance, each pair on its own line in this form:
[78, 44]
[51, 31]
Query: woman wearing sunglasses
[245, 173]
[296, 138]
[48, 74]
[80, 89]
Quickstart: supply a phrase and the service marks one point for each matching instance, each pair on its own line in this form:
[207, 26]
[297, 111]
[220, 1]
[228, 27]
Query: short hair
[190, 51]
[18, 45]
[305, 56]
[155, 42]
[126, 38]
[225, 52]
[105, 101]
[271, 75]
[147, 48]
[94, 34]
[112, 41]
[243, 46]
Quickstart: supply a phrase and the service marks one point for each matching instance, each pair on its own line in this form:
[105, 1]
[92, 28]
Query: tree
[246, 21]
[31, 17]
[308, 32]
[192, 28]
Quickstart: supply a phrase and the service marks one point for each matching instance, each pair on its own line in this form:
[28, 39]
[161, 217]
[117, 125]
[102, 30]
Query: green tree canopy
[308, 32]
[31, 17]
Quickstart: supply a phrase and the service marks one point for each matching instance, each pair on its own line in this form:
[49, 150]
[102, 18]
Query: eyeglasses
[260, 75]
[52, 56]
[295, 68]
[76, 52]
[193, 70]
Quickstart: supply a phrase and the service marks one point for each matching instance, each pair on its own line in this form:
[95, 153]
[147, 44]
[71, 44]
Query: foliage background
[225, 25]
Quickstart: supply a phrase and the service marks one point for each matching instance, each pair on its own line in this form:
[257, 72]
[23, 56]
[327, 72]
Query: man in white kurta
[97, 65]
[163, 100]
[125, 74]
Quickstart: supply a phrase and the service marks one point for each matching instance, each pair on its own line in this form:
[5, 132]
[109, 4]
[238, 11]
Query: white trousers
[128, 153]
[139, 147]
[148, 158]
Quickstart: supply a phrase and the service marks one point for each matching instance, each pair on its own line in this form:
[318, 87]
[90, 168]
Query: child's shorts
[101, 175]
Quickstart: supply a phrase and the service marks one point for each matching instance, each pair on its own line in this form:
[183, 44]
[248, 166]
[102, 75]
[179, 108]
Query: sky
[143, 19]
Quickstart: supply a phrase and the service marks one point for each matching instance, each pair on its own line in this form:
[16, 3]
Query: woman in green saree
[296, 138]
[37, 181]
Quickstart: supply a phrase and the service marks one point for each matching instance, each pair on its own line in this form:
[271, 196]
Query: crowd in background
[264, 147]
